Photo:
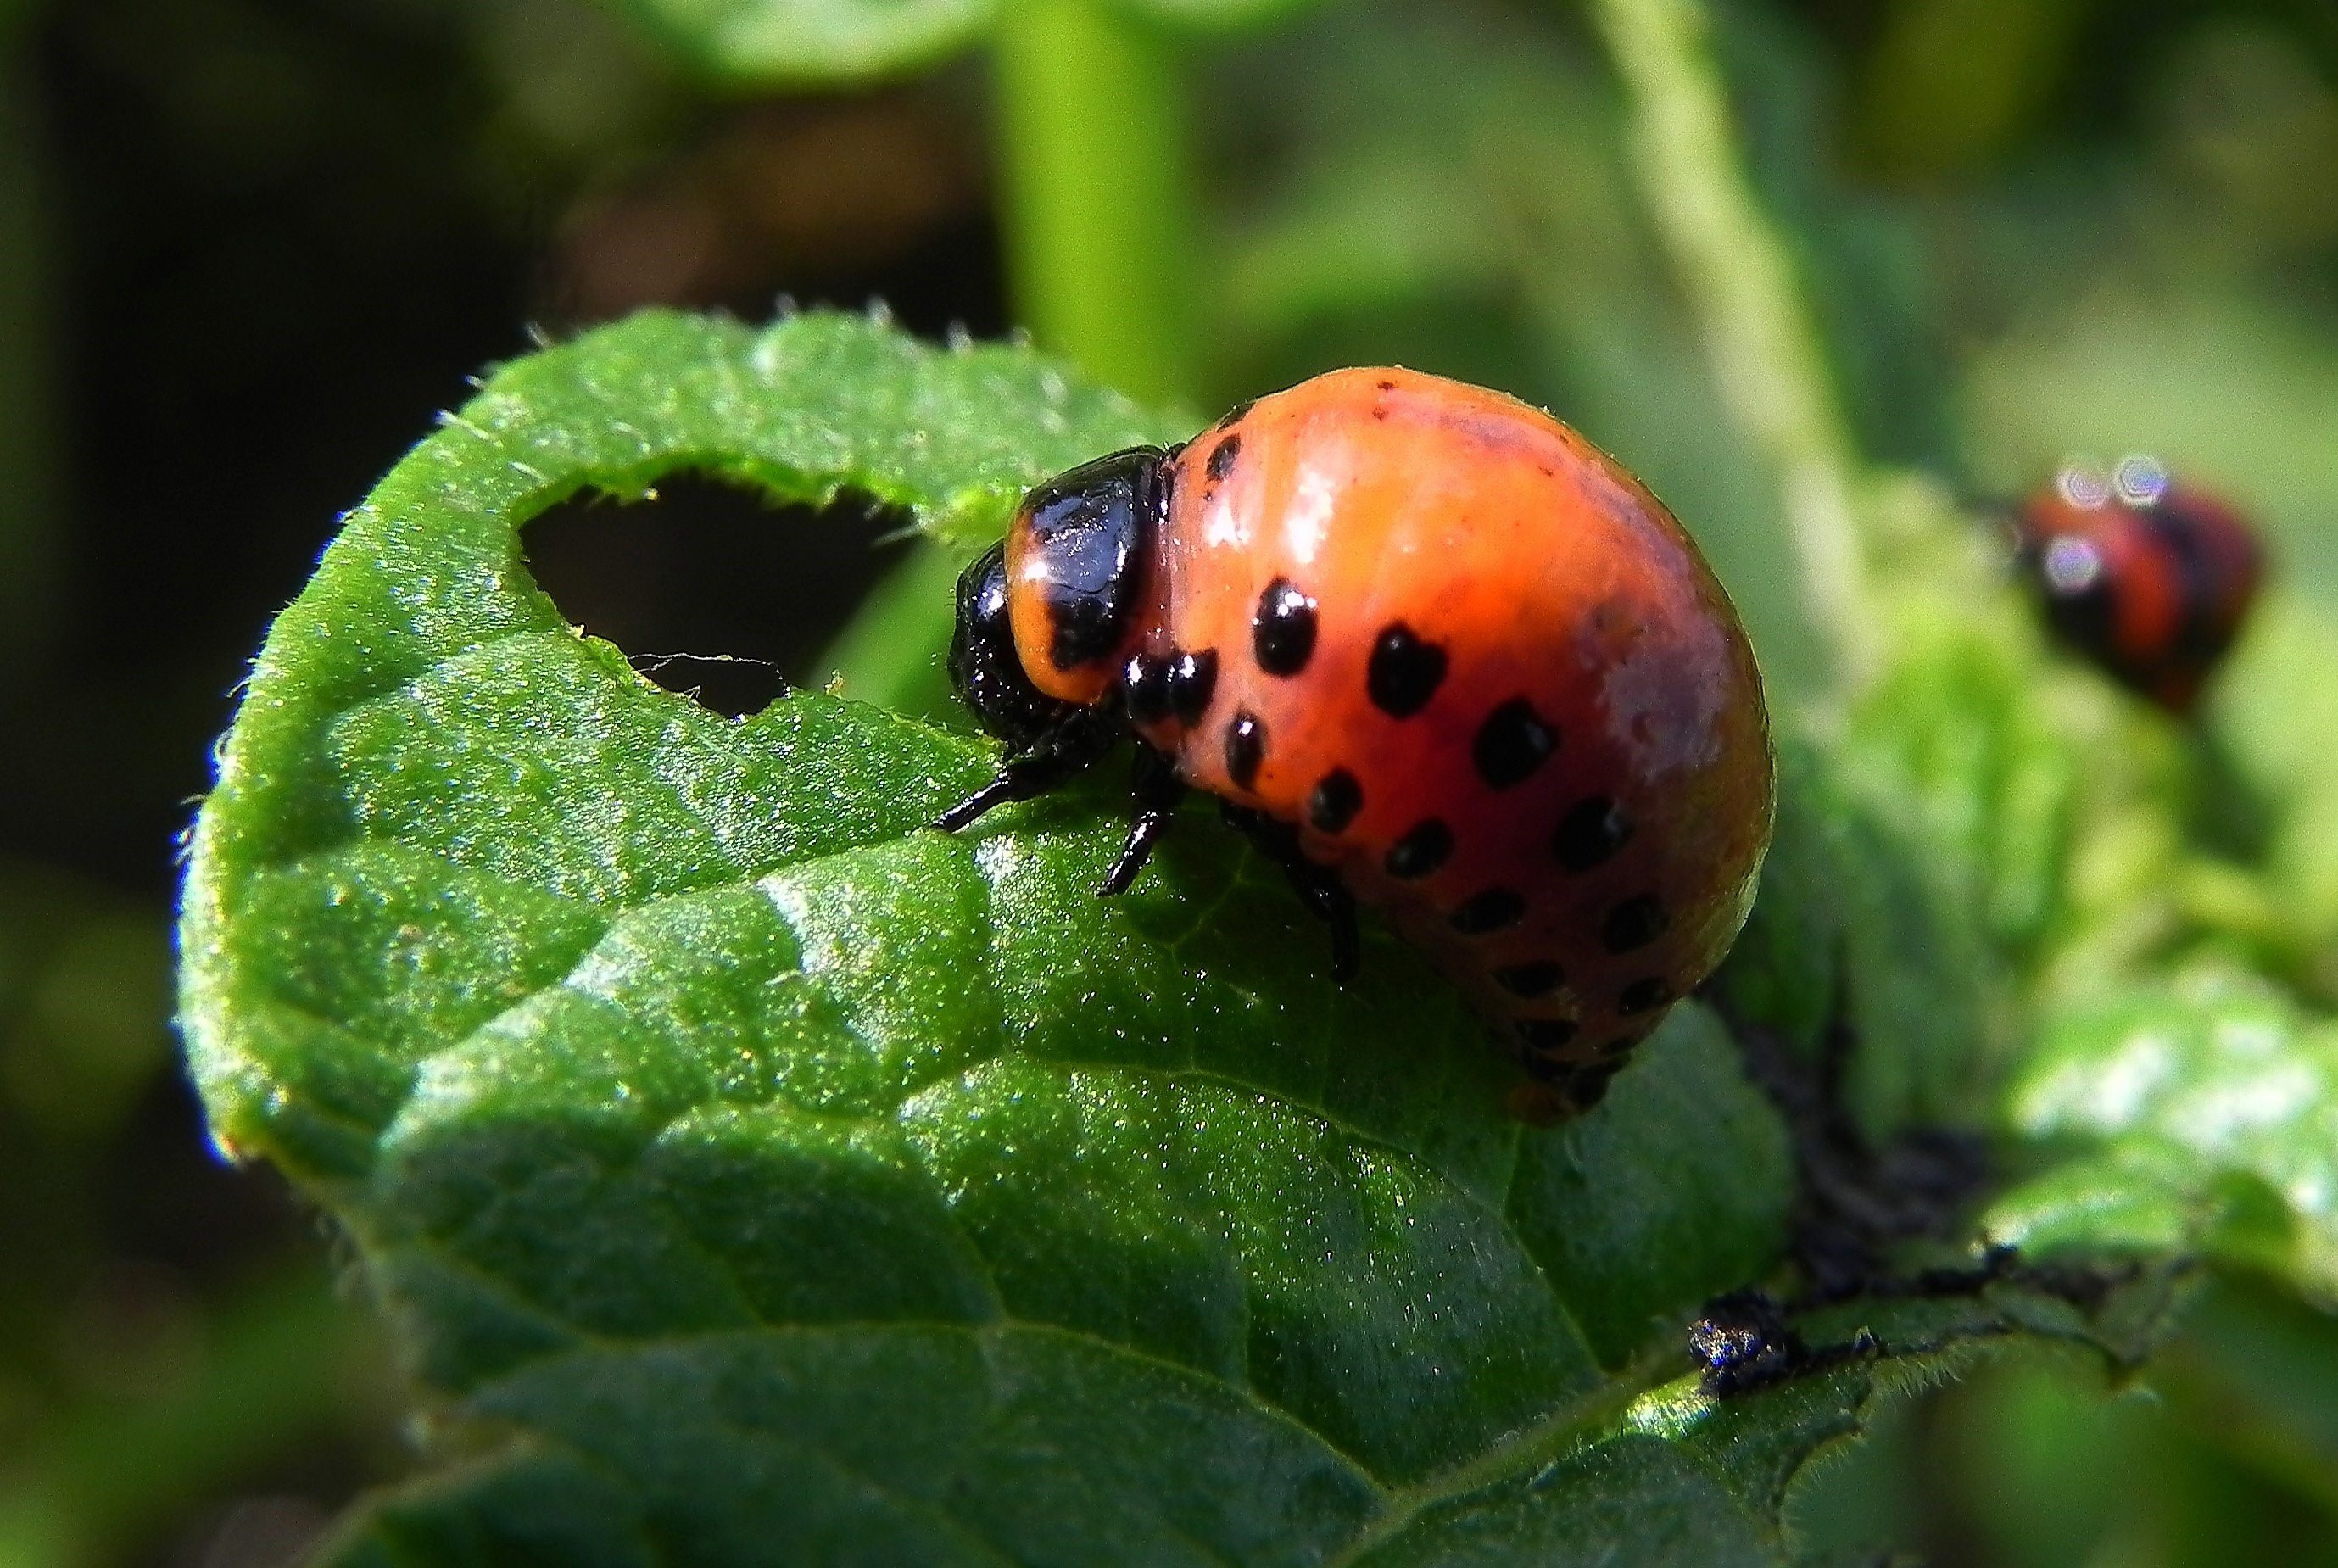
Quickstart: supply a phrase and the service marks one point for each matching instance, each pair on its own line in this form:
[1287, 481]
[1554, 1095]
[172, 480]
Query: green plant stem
[1092, 147]
[1764, 347]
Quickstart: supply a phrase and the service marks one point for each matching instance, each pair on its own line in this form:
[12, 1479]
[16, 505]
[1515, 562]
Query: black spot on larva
[1593, 829]
[1546, 1034]
[1490, 910]
[1385, 386]
[1245, 747]
[1404, 672]
[1421, 850]
[1282, 629]
[1512, 742]
[1334, 801]
[1642, 996]
[1144, 687]
[1222, 457]
[1539, 978]
[1634, 924]
[1193, 681]
[1549, 1070]
[1234, 415]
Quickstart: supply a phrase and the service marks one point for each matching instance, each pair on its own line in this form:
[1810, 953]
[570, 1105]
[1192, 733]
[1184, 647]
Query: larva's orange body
[1448, 651]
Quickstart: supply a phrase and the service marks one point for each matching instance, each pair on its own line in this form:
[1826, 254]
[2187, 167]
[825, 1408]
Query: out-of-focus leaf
[2219, 1454]
[1859, 921]
[84, 1002]
[2255, 1371]
[807, 42]
[784, 42]
[1956, 731]
[2212, 1106]
[281, 1363]
[2270, 715]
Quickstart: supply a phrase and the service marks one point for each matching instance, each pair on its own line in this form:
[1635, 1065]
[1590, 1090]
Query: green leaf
[753, 1173]
[2207, 1108]
[2268, 713]
[1861, 921]
[811, 43]
[1958, 732]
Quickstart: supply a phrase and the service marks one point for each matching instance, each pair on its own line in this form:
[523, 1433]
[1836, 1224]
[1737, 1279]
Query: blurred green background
[247, 247]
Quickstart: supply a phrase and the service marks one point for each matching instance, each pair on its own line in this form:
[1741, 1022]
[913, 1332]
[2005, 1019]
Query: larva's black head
[1079, 547]
[1041, 616]
[983, 664]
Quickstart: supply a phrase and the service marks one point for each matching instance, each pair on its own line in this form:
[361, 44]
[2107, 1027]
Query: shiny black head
[983, 664]
[1087, 538]
[1081, 544]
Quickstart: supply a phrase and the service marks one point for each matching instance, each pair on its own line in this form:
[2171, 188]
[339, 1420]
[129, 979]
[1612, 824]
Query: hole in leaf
[714, 591]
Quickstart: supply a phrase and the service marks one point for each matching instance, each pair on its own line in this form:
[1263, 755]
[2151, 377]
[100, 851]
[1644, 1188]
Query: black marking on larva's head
[1642, 996]
[1424, 847]
[1546, 1034]
[1193, 682]
[1222, 457]
[1245, 748]
[1334, 801]
[1593, 829]
[1404, 672]
[1088, 535]
[1634, 924]
[1282, 629]
[1537, 977]
[1234, 415]
[1144, 688]
[1512, 743]
[1494, 909]
[984, 665]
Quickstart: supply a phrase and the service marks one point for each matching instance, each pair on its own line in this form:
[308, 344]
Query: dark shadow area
[277, 237]
[715, 593]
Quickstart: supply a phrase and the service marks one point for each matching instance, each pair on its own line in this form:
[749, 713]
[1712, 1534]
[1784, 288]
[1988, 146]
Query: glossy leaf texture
[754, 1174]
[2205, 1112]
[812, 42]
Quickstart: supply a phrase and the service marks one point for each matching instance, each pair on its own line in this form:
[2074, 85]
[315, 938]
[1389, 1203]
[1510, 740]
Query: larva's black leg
[1038, 768]
[1318, 886]
[1143, 831]
[1008, 786]
[1157, 790]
